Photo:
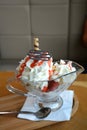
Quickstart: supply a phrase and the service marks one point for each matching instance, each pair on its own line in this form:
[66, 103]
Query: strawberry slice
[52, 85]
[45, 89]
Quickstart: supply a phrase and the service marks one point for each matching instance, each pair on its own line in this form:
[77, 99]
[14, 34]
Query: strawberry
[52, 85]
[45, 89]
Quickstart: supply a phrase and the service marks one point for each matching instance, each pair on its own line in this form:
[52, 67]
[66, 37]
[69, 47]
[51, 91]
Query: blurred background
[59, 25]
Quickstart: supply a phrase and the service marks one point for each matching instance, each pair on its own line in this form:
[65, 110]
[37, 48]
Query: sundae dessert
[40, 72]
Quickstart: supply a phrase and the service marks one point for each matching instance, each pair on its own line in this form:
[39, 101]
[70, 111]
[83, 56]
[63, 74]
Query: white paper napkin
[62, 114]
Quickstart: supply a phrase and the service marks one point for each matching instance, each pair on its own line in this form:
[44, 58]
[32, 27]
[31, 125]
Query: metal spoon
[42, 113]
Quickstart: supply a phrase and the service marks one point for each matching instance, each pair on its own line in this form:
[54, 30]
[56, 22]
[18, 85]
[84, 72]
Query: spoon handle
[15, 112]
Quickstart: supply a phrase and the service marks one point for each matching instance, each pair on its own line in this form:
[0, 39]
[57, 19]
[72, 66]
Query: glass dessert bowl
[49, 95]
[45, 79]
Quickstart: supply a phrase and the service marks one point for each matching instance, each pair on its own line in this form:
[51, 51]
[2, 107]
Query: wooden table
[9, 101]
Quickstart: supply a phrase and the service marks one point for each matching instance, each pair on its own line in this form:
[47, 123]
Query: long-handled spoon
[42, 113]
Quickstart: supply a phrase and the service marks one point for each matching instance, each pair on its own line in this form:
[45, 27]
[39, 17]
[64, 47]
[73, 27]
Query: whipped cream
[63, 68]
[33, 72]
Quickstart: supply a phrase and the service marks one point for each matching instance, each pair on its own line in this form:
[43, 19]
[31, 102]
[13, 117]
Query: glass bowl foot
[53, 104]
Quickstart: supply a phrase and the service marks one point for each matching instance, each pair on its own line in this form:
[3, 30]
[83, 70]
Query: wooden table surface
[9, 101]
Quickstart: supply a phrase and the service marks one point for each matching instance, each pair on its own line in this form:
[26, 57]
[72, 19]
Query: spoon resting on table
[42, 113]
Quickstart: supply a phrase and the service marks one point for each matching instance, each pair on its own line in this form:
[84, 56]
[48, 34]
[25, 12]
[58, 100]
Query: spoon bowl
[41, 113]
